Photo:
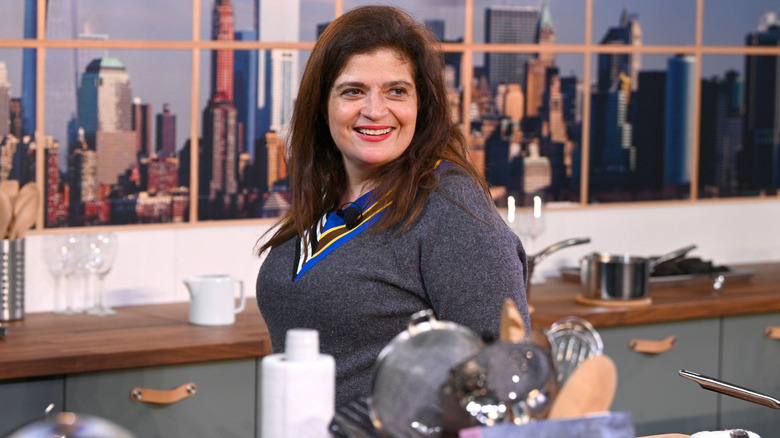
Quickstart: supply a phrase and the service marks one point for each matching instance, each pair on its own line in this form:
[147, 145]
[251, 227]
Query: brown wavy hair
[315, 166]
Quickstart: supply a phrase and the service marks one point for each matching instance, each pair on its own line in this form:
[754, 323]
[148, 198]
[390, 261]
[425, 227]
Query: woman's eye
[398, 91]
[351, 92]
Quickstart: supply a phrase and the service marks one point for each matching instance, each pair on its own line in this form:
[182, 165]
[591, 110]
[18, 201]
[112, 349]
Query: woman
[388, 216]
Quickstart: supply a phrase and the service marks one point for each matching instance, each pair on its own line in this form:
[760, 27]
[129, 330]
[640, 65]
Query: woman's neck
[353, 191]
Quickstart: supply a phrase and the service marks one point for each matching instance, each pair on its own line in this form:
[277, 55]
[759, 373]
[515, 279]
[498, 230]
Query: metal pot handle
[670, 256]
[419, 318]
[538, 257]
[727, 388]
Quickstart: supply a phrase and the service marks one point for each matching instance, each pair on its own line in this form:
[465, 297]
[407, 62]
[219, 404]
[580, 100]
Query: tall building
[29, 69]
[219, 164]
[56, 205]
[15, 117]
[61, 80]
[760, 164]
[278, 81]
[142, 125]
[165, 132]
[5, 102]
[509, 25]
[245, 91]
[649, 129]
[679, 120]
[720, 133]
[611, 66]
[536, 71]
[105, 112]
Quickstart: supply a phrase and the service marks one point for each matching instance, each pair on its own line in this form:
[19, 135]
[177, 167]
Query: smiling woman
[387, 211]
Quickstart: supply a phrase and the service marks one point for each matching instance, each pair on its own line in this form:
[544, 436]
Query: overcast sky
[163, 76]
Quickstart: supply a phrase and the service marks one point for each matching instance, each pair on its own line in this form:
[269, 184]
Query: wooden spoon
[11, 188]
[6, 213]
[25, 211]
[512, 327]
[589, 389]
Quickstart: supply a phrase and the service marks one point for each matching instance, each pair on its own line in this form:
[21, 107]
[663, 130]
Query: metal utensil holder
[11, 279]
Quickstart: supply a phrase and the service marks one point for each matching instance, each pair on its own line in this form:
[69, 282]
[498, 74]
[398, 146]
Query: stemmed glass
[530, 218]
[61, 252]
[99, 253]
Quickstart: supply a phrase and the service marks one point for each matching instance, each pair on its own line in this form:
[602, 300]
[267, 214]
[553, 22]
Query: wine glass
[99, 253]
[61, 253]
[530, 218]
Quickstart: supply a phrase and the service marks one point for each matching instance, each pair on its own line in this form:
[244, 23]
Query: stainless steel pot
[621, 277]
[404, 392]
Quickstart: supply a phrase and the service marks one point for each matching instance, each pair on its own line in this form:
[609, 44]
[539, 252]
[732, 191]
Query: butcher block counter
[45, 344]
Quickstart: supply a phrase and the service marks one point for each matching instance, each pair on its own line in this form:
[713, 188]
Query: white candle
[510, 207]
[537, 207]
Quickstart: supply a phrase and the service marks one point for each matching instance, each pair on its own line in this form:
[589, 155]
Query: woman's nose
[374, 107]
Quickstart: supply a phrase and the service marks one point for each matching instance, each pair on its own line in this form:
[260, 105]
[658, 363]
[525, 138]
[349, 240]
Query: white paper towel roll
[298, 396]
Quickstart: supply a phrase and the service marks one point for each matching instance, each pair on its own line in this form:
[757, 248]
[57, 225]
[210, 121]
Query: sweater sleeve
[470, 260]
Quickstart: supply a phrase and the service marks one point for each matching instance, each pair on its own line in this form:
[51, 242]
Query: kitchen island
[74, 358]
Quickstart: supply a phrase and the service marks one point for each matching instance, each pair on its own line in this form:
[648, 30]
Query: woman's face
[372, 110]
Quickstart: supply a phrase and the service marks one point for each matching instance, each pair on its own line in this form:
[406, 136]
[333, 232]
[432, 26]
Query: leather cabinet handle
[652, 347]
[163, 397]
[772, 332]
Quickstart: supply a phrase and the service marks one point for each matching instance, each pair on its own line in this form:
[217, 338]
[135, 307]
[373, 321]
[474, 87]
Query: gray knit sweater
[360, 296]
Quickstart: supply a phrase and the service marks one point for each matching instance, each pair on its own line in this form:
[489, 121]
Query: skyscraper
[29, 68]
[679, 120]
[278, 68]
[5, 102]
[720, 132]
[760, 167]
[142, 125]
[165, 135]
[611, 66]
[245, 94]
[509, 25]
[649, 128]
[61, 75]
[219, 165]
[105, 113]
[536, 71]
[222, 60]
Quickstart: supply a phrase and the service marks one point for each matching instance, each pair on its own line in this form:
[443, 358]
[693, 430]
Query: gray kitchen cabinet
[660, 401]
[750, 360]
[23, 401]
[224, 404]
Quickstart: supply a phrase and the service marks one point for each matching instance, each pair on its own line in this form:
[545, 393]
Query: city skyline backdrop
[244, 94]
[128, 20]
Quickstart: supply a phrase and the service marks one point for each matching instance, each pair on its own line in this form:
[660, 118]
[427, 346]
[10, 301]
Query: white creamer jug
[212, 299]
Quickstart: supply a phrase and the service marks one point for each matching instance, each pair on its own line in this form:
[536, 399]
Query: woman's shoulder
[456, 188]
[459, 184]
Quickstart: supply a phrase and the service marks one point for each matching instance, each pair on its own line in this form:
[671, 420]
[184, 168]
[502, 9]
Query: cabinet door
[752, 361]
[23, 401]
[649, 385]
[223, 406]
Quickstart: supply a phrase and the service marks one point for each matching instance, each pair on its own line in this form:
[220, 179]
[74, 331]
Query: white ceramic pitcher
[212, 299]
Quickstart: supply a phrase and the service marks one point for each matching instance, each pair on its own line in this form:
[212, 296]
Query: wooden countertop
[696, 299]
[44, 344]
